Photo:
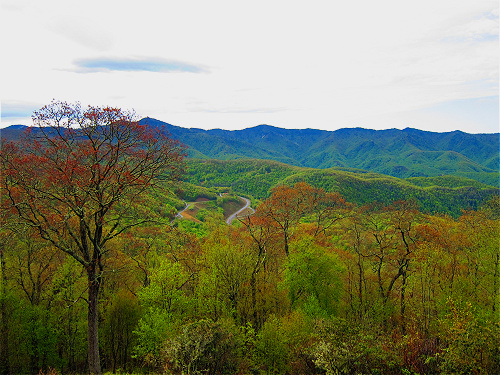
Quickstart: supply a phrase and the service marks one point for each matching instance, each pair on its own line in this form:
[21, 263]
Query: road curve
[179, 214]
[229, 219]
[233, 216]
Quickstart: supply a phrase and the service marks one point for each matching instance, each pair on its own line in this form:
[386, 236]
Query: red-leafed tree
[284, 209]
[287, 205]
[77, 177]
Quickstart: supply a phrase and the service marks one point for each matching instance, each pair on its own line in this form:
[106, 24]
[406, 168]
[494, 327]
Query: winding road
[229, 219]
[235, 215]
[179, 214]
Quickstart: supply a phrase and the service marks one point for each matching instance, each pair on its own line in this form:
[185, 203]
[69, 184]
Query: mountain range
[399, 153]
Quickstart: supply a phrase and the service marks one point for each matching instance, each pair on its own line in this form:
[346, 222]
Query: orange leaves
[288, 205]
[82, 163]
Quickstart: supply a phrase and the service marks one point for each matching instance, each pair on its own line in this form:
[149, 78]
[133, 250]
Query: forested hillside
[399, 153]
[255, 178]
[337, 271]
[310, 284]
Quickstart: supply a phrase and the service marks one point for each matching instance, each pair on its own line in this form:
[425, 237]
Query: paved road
[179, 214]
[229, 219]
[233, 216]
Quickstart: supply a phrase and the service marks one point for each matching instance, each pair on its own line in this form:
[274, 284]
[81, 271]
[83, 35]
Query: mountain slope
[399, 153]
[256, 178]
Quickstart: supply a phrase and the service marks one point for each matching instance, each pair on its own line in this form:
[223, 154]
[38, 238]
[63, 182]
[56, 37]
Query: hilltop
[399, 153]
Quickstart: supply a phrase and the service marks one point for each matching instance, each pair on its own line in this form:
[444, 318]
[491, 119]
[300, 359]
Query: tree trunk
[94, 281]
[287, 251]
[403, 304]
[4, 322]
[254, 299]
[496, 286]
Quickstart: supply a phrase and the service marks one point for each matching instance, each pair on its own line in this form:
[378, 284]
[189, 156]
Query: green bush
[345, 348]
[271, 349]
[204, 347]
[472, 343]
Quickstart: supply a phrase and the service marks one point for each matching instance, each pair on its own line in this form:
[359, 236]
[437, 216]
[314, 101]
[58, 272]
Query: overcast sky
[427, 64]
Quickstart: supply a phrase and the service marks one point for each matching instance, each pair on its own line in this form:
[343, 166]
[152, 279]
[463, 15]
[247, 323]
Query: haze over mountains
[399, 153]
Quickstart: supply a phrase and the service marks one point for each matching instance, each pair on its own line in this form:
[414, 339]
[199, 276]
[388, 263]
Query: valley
[356, 251]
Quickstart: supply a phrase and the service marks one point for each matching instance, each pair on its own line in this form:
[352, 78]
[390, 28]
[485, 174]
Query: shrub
[204, 347]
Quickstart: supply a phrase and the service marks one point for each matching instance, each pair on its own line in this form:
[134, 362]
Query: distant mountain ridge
[399, 153]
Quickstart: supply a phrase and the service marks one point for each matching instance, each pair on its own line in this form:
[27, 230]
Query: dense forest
[398, 153]
[255, 178]
[310, 284]
[338, 271]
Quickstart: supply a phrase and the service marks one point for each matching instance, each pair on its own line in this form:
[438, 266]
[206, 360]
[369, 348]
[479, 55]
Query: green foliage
[46, 335]
[247, 177]
[345, 348]
[227, 199]
[256, 178]
[312, 278]
[282, 345]
[204, 347]
[189, 226]
[40, 337]
[190, 192]
[153, 329]
[270, 348]
[222, 281]
[164, 305]
[207, 210]
[164, 291]
[452, 182]
[120, 320]
[471, 342]
[169, 199]
[13, 318]
[67, 287]
[399, 153]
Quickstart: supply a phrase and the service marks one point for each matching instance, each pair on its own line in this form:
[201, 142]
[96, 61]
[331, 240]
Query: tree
[326, 209]
[284, 209]
[261, 235]
[225, 276]
[77, 177]
[288, 205]
[204, 347]
[482, 249]
[386, 237]
[5, 234]
[121, 318]
[312, 279]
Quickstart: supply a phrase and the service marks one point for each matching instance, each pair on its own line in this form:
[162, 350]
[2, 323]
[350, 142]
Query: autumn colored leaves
[76, 177]
[308, 284]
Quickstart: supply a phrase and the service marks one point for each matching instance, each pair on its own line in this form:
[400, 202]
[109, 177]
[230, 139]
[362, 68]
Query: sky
[427, 64]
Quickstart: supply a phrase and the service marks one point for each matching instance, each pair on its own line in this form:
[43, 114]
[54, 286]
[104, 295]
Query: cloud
[12, 109]
[338, 66]
[482, 28]
[240, 110]
[157, 65]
